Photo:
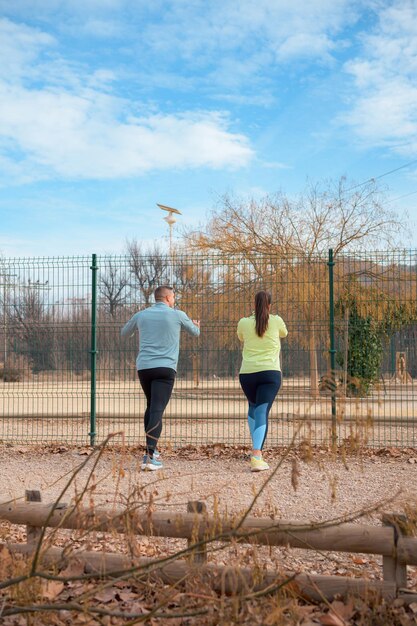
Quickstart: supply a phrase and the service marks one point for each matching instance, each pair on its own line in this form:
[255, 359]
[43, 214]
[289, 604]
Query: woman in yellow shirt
[260, 373]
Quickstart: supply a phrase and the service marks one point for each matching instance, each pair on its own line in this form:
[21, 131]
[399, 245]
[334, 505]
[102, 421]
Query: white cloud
[20, 45]
[80, 136]
[285, 28]
[384, 108]
[72, 131]
[303, 44]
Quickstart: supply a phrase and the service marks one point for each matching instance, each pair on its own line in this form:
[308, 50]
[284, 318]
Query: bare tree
[148, 268]
[32, 323]
[296, 235]
[113, 288]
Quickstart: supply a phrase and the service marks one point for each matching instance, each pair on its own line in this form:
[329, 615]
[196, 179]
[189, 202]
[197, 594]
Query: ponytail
[262, 304]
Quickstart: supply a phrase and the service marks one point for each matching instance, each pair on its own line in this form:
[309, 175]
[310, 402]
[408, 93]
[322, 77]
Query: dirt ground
[308, 484]
[321, 488]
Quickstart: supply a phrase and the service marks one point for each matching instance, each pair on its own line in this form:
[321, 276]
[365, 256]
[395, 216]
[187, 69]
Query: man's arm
[129, 328]
[191, 326]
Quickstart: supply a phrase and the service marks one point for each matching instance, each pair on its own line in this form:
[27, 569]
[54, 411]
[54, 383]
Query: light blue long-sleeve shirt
[159, 329]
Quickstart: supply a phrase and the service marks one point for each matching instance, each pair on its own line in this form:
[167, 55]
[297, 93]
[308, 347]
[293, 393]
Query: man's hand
[196, 322]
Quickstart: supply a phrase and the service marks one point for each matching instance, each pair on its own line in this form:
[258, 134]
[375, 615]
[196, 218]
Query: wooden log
[407, 596]
[197, 555]
[223, 579]
[407, 550]
[33, 533]
[393, 569]
[342, 538]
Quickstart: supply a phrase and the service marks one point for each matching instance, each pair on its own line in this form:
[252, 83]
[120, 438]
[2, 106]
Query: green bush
[364, 354]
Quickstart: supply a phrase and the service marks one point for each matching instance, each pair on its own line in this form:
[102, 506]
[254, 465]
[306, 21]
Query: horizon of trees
[274, 243]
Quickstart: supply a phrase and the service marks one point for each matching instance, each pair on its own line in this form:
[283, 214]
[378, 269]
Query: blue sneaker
[157, 455]
[151, 464]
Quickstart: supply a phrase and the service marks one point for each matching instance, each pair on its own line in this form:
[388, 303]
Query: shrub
[364, 354]
[17, 368]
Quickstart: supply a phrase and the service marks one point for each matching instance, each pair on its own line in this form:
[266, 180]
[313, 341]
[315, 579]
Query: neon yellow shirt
[261, 353]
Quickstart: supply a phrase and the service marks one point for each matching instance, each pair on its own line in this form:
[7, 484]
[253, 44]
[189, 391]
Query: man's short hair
[161, 292]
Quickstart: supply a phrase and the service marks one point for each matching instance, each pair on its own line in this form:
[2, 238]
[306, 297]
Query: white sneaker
[149, 464]
[257, 464]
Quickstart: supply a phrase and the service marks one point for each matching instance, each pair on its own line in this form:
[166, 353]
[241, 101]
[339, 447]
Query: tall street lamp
[170, 219]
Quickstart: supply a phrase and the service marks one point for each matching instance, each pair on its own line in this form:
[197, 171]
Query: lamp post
[170, 219]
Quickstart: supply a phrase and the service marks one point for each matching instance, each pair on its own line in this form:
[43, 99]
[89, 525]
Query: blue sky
[110, 106]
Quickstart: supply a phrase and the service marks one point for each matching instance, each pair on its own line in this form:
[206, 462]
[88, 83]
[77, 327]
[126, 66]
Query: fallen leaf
[51, 589]
[121, 584]
[59, 450]
[74, 568]
[106, 595]
[344, 610]
[330, 619]
[127, 596]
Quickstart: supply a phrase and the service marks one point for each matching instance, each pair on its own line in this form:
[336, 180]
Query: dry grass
[34, 592]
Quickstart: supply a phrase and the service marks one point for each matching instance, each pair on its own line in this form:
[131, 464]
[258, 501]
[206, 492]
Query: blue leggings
[260, 389]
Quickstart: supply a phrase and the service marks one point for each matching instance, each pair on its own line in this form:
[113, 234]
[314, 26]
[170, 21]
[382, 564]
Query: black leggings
[157, 384]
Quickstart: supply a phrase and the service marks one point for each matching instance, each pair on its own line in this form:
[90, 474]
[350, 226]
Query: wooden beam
[407, 550]
[33, 533]
[357, 538]
[223, 579]
[393, 569]
[199, 554]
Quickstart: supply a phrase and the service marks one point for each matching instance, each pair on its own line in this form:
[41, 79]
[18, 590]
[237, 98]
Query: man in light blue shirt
[159, 330]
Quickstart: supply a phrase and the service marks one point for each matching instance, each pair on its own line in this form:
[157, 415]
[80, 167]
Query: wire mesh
[46, 347]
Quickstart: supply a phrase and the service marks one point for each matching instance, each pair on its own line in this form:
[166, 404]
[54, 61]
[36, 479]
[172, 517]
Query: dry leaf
[106, 595]
[330, 619]
[74, 568]
[344, 610]
[127, 596]
[83, 619]
[121, 584]
[51, 589]
[59, 450]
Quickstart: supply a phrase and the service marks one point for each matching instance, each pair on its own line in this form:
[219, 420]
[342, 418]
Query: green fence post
[93, 350]
[332, 350]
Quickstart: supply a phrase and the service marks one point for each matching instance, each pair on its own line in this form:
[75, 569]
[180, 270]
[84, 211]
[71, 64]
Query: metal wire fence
[349, 362]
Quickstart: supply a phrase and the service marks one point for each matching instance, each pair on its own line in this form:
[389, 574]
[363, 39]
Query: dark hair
[262, 303]
[161, 292]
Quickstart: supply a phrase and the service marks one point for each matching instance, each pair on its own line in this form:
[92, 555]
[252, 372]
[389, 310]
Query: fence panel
[45, 330]
[46, 318]
[376, 332]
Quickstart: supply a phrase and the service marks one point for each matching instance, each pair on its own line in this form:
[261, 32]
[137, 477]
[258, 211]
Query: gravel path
[327, 488]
